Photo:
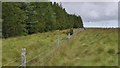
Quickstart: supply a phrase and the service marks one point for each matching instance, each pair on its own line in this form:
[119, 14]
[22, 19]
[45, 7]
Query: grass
[0, 52]
[92, 47]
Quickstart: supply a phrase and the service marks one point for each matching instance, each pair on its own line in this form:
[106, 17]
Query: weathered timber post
[23, 57]
[69, 36]
[58, 38]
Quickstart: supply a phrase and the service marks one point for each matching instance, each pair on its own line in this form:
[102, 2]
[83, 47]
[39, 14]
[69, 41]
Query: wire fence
[44, 54]
[52, 50]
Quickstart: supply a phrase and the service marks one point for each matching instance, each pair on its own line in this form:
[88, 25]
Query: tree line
[24, 18]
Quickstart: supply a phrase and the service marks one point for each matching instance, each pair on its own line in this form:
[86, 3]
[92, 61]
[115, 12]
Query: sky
[94, 14]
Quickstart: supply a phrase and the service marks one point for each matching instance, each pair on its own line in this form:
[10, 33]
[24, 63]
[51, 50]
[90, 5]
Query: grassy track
[92, 47]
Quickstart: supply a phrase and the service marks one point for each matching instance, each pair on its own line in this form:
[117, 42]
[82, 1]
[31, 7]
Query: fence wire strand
[46, 55]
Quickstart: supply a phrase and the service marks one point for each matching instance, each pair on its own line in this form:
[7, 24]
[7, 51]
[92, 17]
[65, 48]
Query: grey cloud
[119, 11]
[93, 11]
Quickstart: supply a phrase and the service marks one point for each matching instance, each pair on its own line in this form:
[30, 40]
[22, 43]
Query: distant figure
[71, 31]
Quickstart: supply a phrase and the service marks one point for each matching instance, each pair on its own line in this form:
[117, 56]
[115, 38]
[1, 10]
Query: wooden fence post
[23, 57]
[58, 38]
[68, 36]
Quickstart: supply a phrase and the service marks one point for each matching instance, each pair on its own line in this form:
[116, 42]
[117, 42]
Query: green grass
[92, 47]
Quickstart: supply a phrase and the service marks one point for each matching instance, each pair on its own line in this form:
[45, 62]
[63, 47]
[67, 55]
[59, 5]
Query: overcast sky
[94, 14]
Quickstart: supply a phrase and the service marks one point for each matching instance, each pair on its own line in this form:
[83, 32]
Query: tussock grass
[92, 47]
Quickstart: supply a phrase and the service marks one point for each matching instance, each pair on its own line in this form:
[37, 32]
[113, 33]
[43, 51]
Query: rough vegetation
[92, 47]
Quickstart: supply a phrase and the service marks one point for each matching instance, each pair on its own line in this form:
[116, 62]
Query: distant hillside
[20, 18]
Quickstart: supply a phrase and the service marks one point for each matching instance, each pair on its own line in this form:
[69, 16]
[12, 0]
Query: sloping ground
[91, 47]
